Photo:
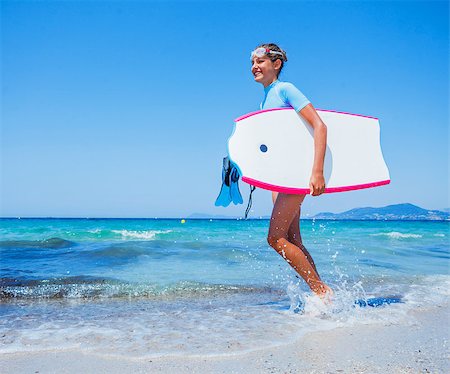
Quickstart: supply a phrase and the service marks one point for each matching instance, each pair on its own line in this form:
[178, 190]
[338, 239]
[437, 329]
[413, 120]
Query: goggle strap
[259, 52]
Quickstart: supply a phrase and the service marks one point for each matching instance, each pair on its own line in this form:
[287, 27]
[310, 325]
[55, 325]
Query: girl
[284, 232]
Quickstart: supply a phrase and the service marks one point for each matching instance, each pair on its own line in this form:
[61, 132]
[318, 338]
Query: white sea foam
[421, 292]
[148, 329]
[143, 234]
[210, 326]
[95, 231]
[397, 235]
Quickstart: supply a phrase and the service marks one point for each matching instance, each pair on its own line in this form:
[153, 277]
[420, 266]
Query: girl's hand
[316, 184]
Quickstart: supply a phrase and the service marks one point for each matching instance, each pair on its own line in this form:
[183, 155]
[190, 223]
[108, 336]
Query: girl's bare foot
[325, 293]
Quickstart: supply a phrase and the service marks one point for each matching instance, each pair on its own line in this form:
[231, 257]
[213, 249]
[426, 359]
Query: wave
[143, 235]
[46, 243]
[85, 235]
[85, 287]
[397, 235]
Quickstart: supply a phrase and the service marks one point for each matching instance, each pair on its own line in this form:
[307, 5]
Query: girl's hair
[273, 56]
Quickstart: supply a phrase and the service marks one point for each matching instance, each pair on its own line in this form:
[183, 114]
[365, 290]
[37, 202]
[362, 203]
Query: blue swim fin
[378, 301]
[224, 198]
[236, 196]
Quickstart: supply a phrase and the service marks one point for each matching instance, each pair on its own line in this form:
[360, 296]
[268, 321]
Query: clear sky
[123, 108]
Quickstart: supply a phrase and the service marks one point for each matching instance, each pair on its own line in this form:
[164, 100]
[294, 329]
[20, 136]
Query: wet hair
[273, 56]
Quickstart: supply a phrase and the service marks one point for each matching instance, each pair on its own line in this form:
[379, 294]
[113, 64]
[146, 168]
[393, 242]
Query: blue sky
[123, 109]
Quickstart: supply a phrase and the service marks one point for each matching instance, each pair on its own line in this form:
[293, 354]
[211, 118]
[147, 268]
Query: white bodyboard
[274, 149]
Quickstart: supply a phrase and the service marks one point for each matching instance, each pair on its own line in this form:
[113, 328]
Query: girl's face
[264, 70]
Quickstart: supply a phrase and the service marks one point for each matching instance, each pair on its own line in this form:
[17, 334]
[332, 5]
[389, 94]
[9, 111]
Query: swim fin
[236, 196]
[224, 198]
[378, 301]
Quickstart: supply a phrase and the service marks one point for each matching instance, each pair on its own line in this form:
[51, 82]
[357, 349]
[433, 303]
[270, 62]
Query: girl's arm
[317, 181]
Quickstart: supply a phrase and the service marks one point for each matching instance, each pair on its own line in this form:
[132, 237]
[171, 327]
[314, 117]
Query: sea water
[152, 287]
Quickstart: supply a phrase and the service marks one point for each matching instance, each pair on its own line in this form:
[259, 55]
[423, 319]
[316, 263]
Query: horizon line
[221, 219]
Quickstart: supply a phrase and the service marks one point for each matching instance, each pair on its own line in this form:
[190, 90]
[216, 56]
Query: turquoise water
[206, 286]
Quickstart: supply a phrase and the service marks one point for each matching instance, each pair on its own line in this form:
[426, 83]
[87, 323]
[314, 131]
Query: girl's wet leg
[285, 209]
[295, 237]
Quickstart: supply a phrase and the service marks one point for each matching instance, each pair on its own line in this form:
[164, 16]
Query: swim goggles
[261, 51]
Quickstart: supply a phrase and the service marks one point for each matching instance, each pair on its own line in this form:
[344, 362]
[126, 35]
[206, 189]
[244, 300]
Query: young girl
[284, 232]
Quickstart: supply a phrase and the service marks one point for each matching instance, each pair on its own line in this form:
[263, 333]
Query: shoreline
[418, 344]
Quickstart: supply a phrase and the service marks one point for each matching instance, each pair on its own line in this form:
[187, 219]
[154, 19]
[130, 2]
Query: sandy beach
[420, 344]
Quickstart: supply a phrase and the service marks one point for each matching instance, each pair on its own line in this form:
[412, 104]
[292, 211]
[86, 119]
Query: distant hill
[391, 212]
[408, 212]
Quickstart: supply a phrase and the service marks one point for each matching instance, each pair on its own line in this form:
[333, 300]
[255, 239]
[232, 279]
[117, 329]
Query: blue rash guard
[283, 95]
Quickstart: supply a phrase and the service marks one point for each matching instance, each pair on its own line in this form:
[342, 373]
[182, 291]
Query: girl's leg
[294, 232]
[284, 211]
[295, 237]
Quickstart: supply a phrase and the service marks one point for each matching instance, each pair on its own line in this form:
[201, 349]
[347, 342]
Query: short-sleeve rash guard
[283, 95]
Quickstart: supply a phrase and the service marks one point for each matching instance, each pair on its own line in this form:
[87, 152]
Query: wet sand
[420, 344]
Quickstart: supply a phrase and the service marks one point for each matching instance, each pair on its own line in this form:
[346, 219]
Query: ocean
[155, 287]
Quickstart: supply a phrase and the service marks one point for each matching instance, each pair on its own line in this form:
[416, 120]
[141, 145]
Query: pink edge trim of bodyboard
[350, 114]
[319, 110]
[259, 111]
[291, 190]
